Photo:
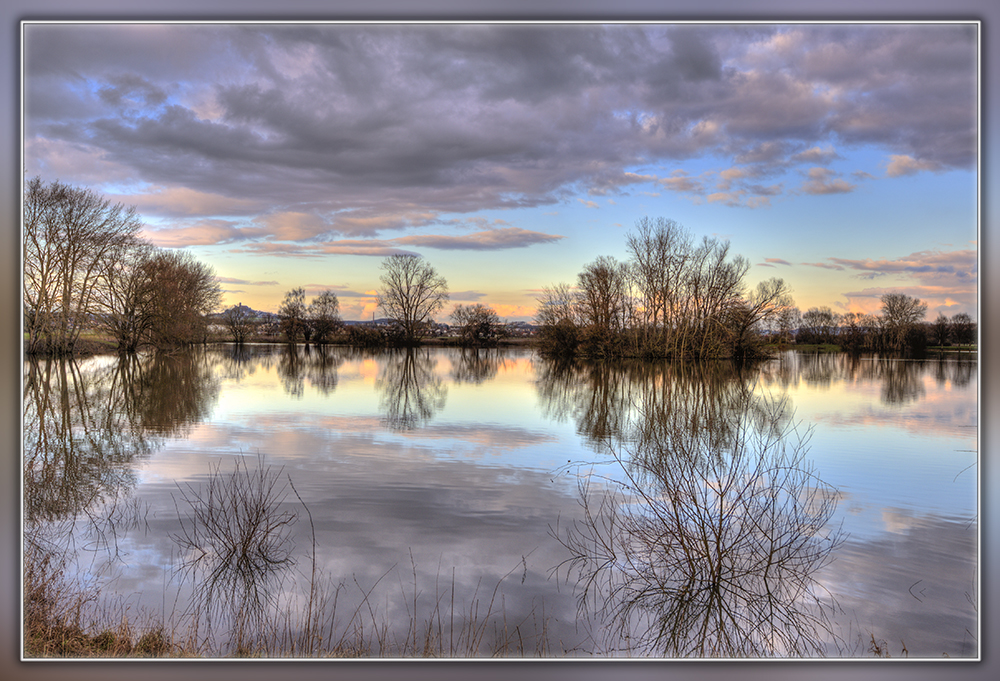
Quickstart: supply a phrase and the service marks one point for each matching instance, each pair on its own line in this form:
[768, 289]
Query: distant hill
[262, 316]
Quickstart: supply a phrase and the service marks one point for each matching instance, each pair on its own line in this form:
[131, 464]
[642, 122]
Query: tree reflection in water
[476, 365]
[410, 390]
[317, 364]
[85, 427]
[291, 370]
[709, 545]
[901, 381]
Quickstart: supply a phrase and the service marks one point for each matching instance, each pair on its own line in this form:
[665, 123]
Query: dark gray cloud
[388, 122]
[244, 282]
[508, 237]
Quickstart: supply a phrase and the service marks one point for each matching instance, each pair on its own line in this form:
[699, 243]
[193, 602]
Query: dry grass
[60, 620]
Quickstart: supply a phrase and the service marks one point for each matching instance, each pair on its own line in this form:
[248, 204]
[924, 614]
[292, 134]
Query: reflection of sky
[474, 489]
[913, 586]
[478, 485]
[918, 456]
[381, 501]
[907, 476]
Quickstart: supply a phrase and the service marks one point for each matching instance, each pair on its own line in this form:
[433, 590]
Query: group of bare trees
[316, 322]
[85, 267]
[674, 297]
[678, 298]
[412, 292]
[898, 326]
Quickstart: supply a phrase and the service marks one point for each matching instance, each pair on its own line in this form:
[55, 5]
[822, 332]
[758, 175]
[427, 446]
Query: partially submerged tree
[603, 304]
[240, 323]
[324, 316]
[673, 298]
[478, 324]
[759, 309]
[293, 315]
[558, 320]
[184, 292]
[787, 321]
[659, 250]
[818, 325]
[900, 315]
[125, 297]
[86, 267]
[856, 332]
[603, 297]
[963, 329]
[412, 291]
[940, 330]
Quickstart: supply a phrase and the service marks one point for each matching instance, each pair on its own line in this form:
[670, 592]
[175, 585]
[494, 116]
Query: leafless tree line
[679, 298]
[898, 326]
[674, 297]
[85, 266]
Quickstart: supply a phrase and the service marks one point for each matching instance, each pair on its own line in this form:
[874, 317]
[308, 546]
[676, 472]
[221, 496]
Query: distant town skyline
[841, 157]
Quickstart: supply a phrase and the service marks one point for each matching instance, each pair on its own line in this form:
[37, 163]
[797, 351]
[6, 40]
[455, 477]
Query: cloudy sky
[841, 158]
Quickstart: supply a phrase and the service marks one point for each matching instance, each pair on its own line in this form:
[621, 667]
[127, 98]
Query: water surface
[460, 489]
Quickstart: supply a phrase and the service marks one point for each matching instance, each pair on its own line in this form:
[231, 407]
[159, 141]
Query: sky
[841, 158]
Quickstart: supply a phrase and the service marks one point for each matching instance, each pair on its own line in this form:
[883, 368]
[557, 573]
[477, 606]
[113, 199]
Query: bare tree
[185, 291]
[941, 330]
[659, 251]
[558, 318]
[239, 321]
[856, 332]
[963, 329]
[603, 296]
[478, 324]
[68, 233]
[293, 315]
[125, 296]
[687, 294]
[817, 325]
[758, 309]
[788, 320]
[712, 287]
[556, 305]
[412, 291]
[900, 314]
[324, 315]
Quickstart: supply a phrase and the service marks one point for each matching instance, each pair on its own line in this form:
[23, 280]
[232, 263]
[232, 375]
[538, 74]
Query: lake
[462, 503]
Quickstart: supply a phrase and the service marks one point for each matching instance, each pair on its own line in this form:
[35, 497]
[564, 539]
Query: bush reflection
[709, 545]
[85, 427]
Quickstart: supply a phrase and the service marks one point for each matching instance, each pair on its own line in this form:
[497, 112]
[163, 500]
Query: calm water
[804, 507]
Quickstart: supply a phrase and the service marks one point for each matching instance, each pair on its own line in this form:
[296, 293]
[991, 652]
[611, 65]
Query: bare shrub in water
[710, 553]
[236, 543]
